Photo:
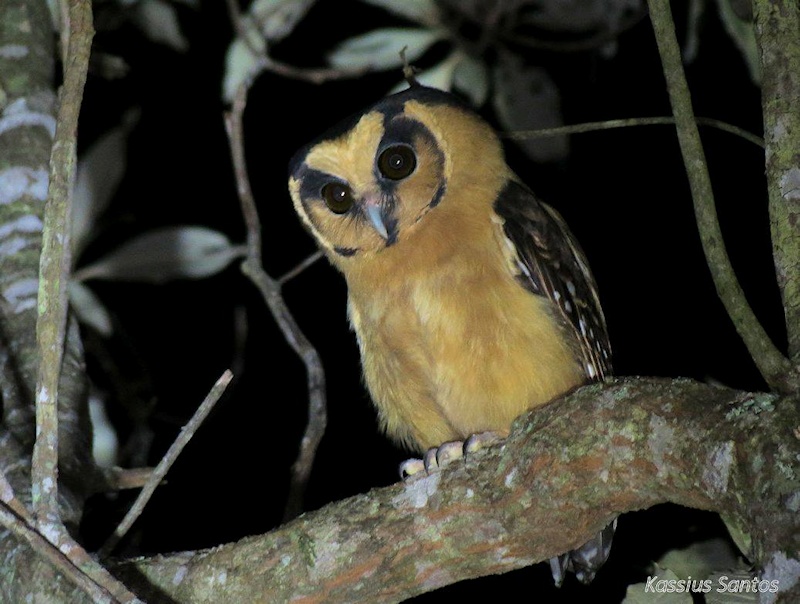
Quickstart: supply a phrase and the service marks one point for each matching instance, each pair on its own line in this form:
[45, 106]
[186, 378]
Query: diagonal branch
[774, 367]
[27, 533]
[633, 443]
[169, 458]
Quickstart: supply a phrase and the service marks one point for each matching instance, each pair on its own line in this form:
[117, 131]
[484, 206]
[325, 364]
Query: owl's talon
[449, 452]
[586, 560]
[411, 467]
[558, 568]
[483, 440]
[437, 458]
[431, 465]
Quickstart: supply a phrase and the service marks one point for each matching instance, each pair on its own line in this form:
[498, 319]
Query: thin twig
[303, 265]
[774, 367]
[235, 15]
[160, 471]
[635, 121]
[409, 71]
[120, 479]
[271, 292]
[313, 75]
[235, 131]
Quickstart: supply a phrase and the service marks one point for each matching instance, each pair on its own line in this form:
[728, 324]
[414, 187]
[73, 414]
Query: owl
[470, 299]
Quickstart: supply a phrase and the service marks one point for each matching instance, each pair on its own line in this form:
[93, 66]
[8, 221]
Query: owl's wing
[550, 263]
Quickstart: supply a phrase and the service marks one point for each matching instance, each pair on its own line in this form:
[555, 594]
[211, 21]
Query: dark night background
[623, 192]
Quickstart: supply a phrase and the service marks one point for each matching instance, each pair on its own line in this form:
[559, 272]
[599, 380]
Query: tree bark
[633, 443]
[27, 132]
[778, 34]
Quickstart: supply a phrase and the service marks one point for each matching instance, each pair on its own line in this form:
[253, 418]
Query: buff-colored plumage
[451, 343]
[470, 299]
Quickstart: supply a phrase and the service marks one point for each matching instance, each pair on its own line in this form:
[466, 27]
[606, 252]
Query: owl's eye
[338, 197]
[397, 162]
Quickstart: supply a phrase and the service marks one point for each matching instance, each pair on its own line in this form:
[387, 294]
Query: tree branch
[169, 458]
[270, 290]
[27, 131]
[778, 35]
[26, 532]
[504, 508]
[774, 367]
[628, 123]
[54, 264]
[51, 324]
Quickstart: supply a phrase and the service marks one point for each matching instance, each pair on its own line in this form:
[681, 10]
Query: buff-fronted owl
[471, 300]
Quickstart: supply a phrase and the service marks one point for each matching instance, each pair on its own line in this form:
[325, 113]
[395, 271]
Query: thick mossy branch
[573, 463]
[778, 34]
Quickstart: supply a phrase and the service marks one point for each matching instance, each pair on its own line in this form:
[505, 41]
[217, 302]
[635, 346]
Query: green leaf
[266, 21]
[639, 593]
[694, 20]
[739, 534]
[165, 254]
[380, 48]
[421, 11]
[737, 588]
[276, 19]
[89, 309]
[700, 559]
[241, 64]
[471, 77]
[527, 99]
[744, 36]
[105, 443]
[159, 22]
[100, 170]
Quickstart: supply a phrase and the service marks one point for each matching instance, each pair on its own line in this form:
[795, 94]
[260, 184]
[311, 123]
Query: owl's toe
[439, 457]
[482, 440]
[411, 467]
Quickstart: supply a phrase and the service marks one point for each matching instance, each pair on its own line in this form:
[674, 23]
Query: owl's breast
[457, 351]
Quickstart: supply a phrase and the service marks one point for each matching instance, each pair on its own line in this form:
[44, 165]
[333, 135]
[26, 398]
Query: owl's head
[369, 183]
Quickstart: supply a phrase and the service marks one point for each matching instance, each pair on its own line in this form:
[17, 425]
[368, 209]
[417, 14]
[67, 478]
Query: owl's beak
[375, 216]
